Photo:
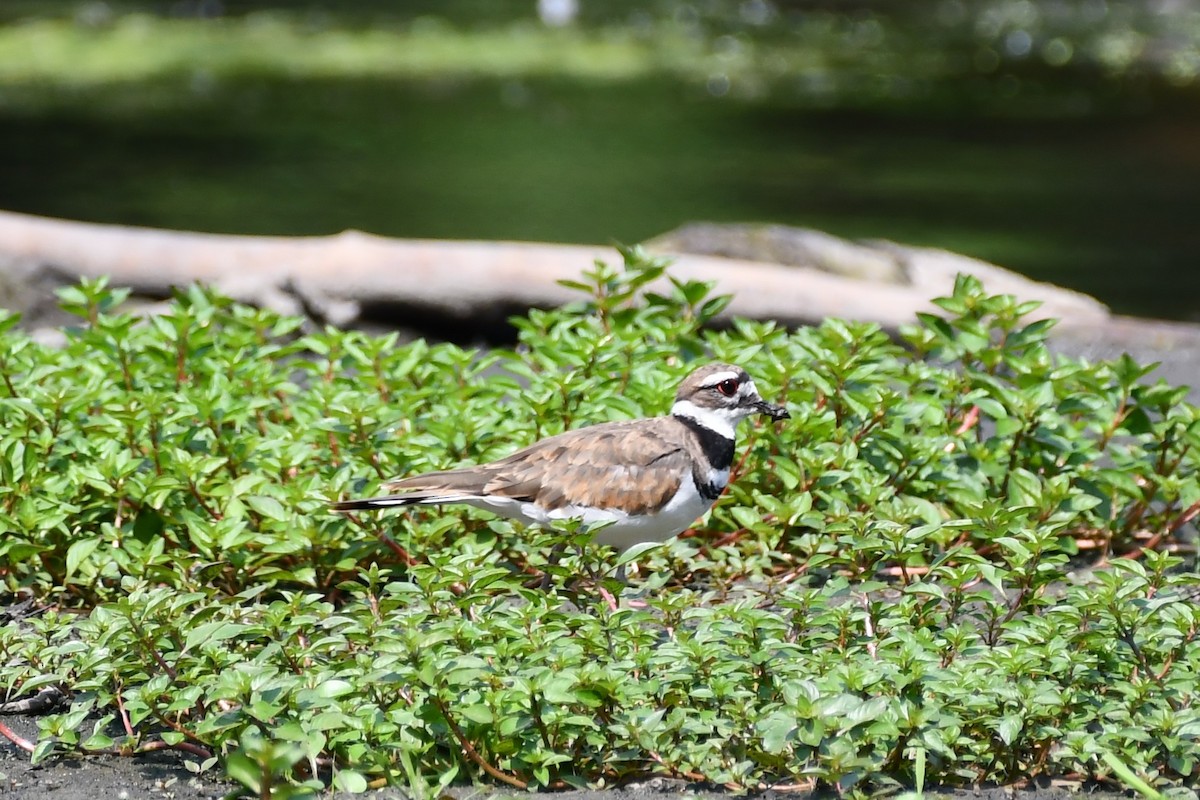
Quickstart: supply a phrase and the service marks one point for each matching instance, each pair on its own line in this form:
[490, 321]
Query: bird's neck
[714, 433]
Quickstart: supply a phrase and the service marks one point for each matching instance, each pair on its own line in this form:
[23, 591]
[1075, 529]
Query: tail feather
[393, 501]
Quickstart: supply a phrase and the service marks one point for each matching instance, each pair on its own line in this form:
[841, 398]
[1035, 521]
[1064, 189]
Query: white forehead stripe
[720, 377]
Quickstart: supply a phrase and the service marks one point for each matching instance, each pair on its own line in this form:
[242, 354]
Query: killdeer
[649, 478]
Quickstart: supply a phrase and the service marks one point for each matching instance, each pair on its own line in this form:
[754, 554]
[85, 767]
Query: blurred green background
[1060, 138]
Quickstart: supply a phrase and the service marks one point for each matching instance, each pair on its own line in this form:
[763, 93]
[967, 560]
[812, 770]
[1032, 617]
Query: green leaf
[334, 687]
[477, 713]
[78, 552]
[266, 506]
[97, 741]
[44, 748]
[633, 553]
[217, 631]
[1010, 727]
[1128, 777]
[241, 768]
[776, 730]
[350, 781]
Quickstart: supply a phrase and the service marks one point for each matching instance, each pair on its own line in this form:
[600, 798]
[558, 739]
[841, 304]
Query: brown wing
[634, 466]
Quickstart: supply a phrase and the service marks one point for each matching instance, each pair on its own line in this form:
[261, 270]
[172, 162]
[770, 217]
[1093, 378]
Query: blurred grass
[140, 47]
[821, 60]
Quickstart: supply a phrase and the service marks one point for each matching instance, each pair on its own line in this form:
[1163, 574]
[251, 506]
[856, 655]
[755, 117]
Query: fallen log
[335, 277]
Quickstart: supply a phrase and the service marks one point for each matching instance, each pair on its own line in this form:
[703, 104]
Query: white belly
[626, 530]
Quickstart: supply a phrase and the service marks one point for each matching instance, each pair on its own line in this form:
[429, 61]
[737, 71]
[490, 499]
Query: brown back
[635, 466]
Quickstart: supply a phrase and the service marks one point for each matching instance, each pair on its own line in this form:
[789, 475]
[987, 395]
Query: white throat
[716, 421]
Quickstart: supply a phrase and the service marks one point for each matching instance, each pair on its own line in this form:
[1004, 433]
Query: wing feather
[634, 466]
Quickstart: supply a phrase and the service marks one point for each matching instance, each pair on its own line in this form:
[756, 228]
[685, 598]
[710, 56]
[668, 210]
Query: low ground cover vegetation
[963, 560]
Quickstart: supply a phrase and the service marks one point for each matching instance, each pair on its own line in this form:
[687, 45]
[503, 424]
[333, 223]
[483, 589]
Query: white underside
[625, 531]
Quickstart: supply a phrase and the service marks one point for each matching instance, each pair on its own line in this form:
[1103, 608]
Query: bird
[647, 479]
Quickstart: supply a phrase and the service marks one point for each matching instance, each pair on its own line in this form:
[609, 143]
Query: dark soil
[157, 775]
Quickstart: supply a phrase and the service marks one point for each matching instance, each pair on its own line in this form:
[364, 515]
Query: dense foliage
[953, 565]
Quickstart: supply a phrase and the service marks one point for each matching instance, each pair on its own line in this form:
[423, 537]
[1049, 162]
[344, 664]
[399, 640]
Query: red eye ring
[727, 387]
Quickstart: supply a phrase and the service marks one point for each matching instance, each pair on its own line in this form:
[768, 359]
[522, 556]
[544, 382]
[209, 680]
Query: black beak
[774, 412]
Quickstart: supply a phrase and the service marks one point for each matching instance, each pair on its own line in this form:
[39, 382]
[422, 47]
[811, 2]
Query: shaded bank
[282, 125]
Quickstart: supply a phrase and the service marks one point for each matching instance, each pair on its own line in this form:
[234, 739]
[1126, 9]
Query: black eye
[728, 387]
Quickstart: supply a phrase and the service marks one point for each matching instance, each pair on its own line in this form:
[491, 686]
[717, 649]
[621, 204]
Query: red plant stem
[1184, 518]
[968, 421]
[683, 773]
[394, 546]
[16, 738]
[1187, 516]
[472, 753]
[187, 747]
[152, 650]
[124, 715]
[214, 515]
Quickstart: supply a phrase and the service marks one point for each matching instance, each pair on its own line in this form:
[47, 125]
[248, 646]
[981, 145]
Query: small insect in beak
[773, 411]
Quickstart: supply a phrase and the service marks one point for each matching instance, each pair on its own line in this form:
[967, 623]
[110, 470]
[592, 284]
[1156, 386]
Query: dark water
[1106, 203]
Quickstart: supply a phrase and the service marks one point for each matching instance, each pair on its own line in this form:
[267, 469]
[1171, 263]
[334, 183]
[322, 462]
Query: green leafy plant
[956, 564]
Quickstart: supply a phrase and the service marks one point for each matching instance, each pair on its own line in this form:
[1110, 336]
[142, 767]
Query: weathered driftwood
[336, 275]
